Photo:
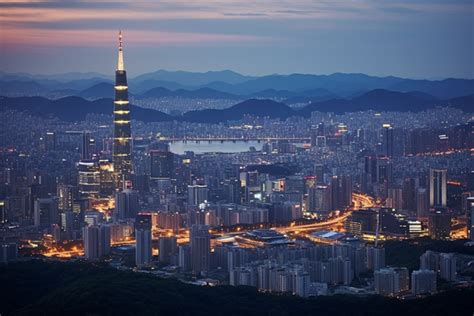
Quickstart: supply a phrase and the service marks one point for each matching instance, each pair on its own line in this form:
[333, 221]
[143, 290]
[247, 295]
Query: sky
[430, 39]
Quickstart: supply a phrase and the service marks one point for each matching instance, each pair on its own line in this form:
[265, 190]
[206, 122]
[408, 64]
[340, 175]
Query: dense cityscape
[299, 193]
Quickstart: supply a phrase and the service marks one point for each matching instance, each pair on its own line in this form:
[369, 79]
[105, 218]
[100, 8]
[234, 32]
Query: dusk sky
[415, 39]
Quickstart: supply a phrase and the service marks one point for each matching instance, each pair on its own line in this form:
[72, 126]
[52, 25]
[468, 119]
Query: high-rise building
[470, 213]
[438, 192]
[447, 266]
[375, 258]
[200, 242]
[161, 164]
[197, 194]
[96, 241]
[423, 282]
[106, 175]
[126, 204]
[387, 140]
[422, 206]
[88, 179]
[122, 149]
[65, 197]
[167, 247]
[46, 212]
[386, 282]
[439, 224]
[143, 254]
[88, 146]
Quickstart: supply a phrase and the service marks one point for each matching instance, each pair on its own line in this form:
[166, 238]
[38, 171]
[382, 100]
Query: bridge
[259, 139]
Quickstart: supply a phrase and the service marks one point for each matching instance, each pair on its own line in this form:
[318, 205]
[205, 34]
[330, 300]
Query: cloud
[93, 37]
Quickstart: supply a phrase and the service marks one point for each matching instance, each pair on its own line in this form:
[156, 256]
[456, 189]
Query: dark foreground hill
[58, 288]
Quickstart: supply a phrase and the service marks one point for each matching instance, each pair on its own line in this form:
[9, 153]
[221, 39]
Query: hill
[75, 288]
[254, 107]
[75, 108]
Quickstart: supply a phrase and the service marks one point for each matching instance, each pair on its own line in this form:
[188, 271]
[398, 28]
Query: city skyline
[418, 39]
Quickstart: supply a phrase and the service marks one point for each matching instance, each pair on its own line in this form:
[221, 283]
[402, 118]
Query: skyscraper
[161, 164]
[438, 191]
[122, 150]
[200, 242]
[143, 240]
[387, 140]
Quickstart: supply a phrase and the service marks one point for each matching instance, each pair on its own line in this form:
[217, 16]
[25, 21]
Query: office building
[96, 239]
[438, 191]
[197, 194]
[200, 249]
[143, 254]
[386, 282]
[161, 164]
[423, 282]
[447, 266]
[46, 212]
[167, 247]
[126, 204]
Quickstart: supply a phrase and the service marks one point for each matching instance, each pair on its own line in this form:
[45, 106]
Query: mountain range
[293, 86]
[75, 108]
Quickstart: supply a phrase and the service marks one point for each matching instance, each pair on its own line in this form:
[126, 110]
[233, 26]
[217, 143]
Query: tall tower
[122, 150]
[438, 193]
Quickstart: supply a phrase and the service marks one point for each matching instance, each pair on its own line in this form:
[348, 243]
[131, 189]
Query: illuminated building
[470, 212]
[3, 212]
[438, 193]
[200, 242]
[88, 146]
[423, 282]
[65, 197]
[161, 164]
[106, 175]
[439, 224]
[89, 179]
[143, 254]
[122, 148]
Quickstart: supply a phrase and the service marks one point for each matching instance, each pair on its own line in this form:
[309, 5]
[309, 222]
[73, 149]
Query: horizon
[110, 76]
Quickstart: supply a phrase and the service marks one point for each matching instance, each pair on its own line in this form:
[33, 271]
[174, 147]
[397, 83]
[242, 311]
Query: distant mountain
[75, 108]
[202, 93]
[312, 95]
[20, 88]
[443, 89]
[465, 103]
[385, 100]
[339, 85]
[254, 107]
[196, 79]
[272, 93]
[139, 87]
[98, 91]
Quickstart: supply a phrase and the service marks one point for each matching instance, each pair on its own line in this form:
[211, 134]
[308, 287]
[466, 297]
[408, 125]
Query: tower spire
[120, 65]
